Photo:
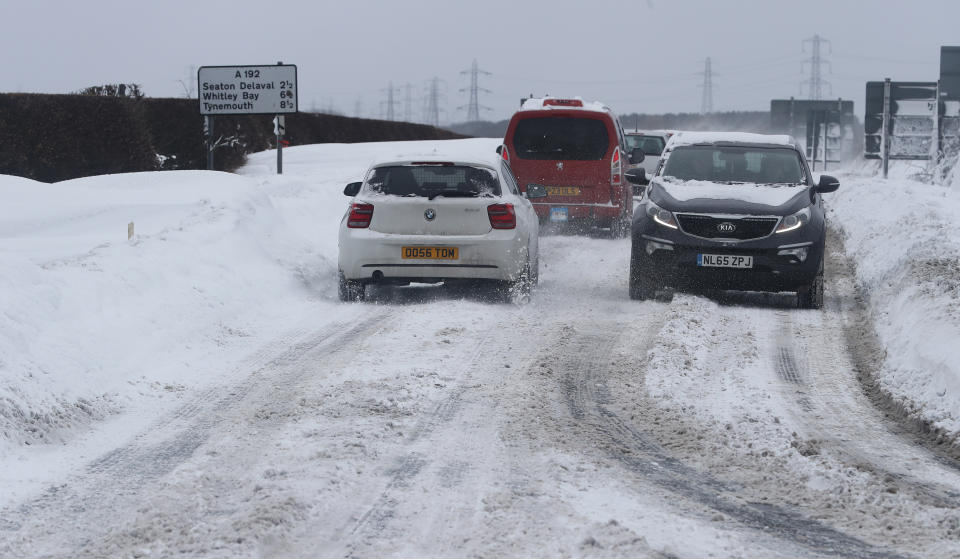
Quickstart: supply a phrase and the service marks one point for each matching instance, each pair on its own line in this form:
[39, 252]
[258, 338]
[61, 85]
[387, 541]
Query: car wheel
[642, 286]
[811, 296]
[535, 273]
[351, 290]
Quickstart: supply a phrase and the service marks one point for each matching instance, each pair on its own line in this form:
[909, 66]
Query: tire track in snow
[112, 483]
[838, 418]
[586, 394]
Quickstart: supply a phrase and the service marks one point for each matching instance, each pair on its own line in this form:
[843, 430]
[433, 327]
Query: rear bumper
[598, 214]
[368, 256]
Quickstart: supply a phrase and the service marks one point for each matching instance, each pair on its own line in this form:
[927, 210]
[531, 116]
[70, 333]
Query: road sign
[905, 116]
[807, 120]
[279, 125]
[247, 90]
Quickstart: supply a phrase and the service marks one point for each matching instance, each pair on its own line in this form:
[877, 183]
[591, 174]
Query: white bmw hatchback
[432, 220]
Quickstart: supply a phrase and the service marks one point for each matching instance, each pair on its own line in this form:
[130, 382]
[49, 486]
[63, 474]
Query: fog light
[653, 246]
[800, 253]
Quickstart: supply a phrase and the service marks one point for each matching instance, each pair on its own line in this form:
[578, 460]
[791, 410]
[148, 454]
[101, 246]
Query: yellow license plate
[431, 253]
[563, 190]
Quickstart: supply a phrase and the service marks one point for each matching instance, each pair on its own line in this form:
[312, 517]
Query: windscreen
[735, 164]
[434, 180]
[651, 145]
[566, 138]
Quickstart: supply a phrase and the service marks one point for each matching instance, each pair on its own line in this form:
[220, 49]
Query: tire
[811, 296]
[350, 290]
[642, 286]
[621, 227]
[518, 290]
[535, 273]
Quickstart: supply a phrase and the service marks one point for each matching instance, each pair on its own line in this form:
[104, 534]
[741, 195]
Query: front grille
[710, 227]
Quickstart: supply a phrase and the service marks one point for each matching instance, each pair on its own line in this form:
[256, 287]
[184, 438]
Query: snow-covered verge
[94, 322]
[903, 237]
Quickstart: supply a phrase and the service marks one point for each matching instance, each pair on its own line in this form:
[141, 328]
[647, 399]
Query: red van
[576, 150]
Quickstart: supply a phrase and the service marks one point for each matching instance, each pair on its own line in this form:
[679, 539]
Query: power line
[474, 106]
[816, 83]
[431, 110]
[706, 101]
[408, 103]
[390, 103]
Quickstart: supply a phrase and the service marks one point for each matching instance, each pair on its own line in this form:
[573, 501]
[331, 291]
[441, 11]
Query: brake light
[616, 168]
[502, 216]
[505, 153]
[563, 102]
[360, 216]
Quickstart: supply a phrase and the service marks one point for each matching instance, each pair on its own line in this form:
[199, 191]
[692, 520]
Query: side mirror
[500, 149]
[637, 176]
[352, 189]
[827, 184]
[536, 191]
[637, 156]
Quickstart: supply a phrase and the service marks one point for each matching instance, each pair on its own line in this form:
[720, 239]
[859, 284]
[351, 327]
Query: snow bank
[903, 237]
[94, 323]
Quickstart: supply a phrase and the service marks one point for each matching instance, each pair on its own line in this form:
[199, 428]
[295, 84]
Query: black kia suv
[730, 211]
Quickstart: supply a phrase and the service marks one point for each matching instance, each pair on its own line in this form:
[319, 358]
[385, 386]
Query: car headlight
[794, 221]
[661, 216]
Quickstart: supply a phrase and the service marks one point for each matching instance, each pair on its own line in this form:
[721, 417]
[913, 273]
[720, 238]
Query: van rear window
[567, 138]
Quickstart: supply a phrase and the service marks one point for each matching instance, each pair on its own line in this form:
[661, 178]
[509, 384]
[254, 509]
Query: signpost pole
[935, 143]
[885, 131]
[208, 136]
[814, 137]
[279, 128]
[825, 126]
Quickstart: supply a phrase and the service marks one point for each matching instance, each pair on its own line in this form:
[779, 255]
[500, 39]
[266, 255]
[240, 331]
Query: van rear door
[566, 151]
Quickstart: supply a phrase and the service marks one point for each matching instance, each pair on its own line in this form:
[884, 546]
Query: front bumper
[781, 262]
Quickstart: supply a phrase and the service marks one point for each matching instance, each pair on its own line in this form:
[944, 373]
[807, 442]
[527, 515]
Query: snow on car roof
[690, 138]
[537, 104]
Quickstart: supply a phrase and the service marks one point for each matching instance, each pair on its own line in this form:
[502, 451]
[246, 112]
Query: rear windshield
[735, 164]
[651, 145]
[566, 138]
[434, 180]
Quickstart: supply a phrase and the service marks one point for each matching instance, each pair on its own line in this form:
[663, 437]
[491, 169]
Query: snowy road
[430, 422]
[543, 430]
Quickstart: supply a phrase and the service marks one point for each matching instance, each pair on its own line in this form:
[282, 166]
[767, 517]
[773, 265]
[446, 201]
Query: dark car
[730, 211]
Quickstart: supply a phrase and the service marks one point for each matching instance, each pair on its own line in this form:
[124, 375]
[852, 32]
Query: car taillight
[505, 154]
[616, 169]
[502, 216]
[360, 216]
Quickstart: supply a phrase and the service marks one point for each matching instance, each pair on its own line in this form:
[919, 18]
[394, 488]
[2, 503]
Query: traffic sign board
[247, 90]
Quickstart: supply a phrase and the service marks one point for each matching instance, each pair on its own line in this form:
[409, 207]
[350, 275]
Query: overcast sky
[642, 55]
